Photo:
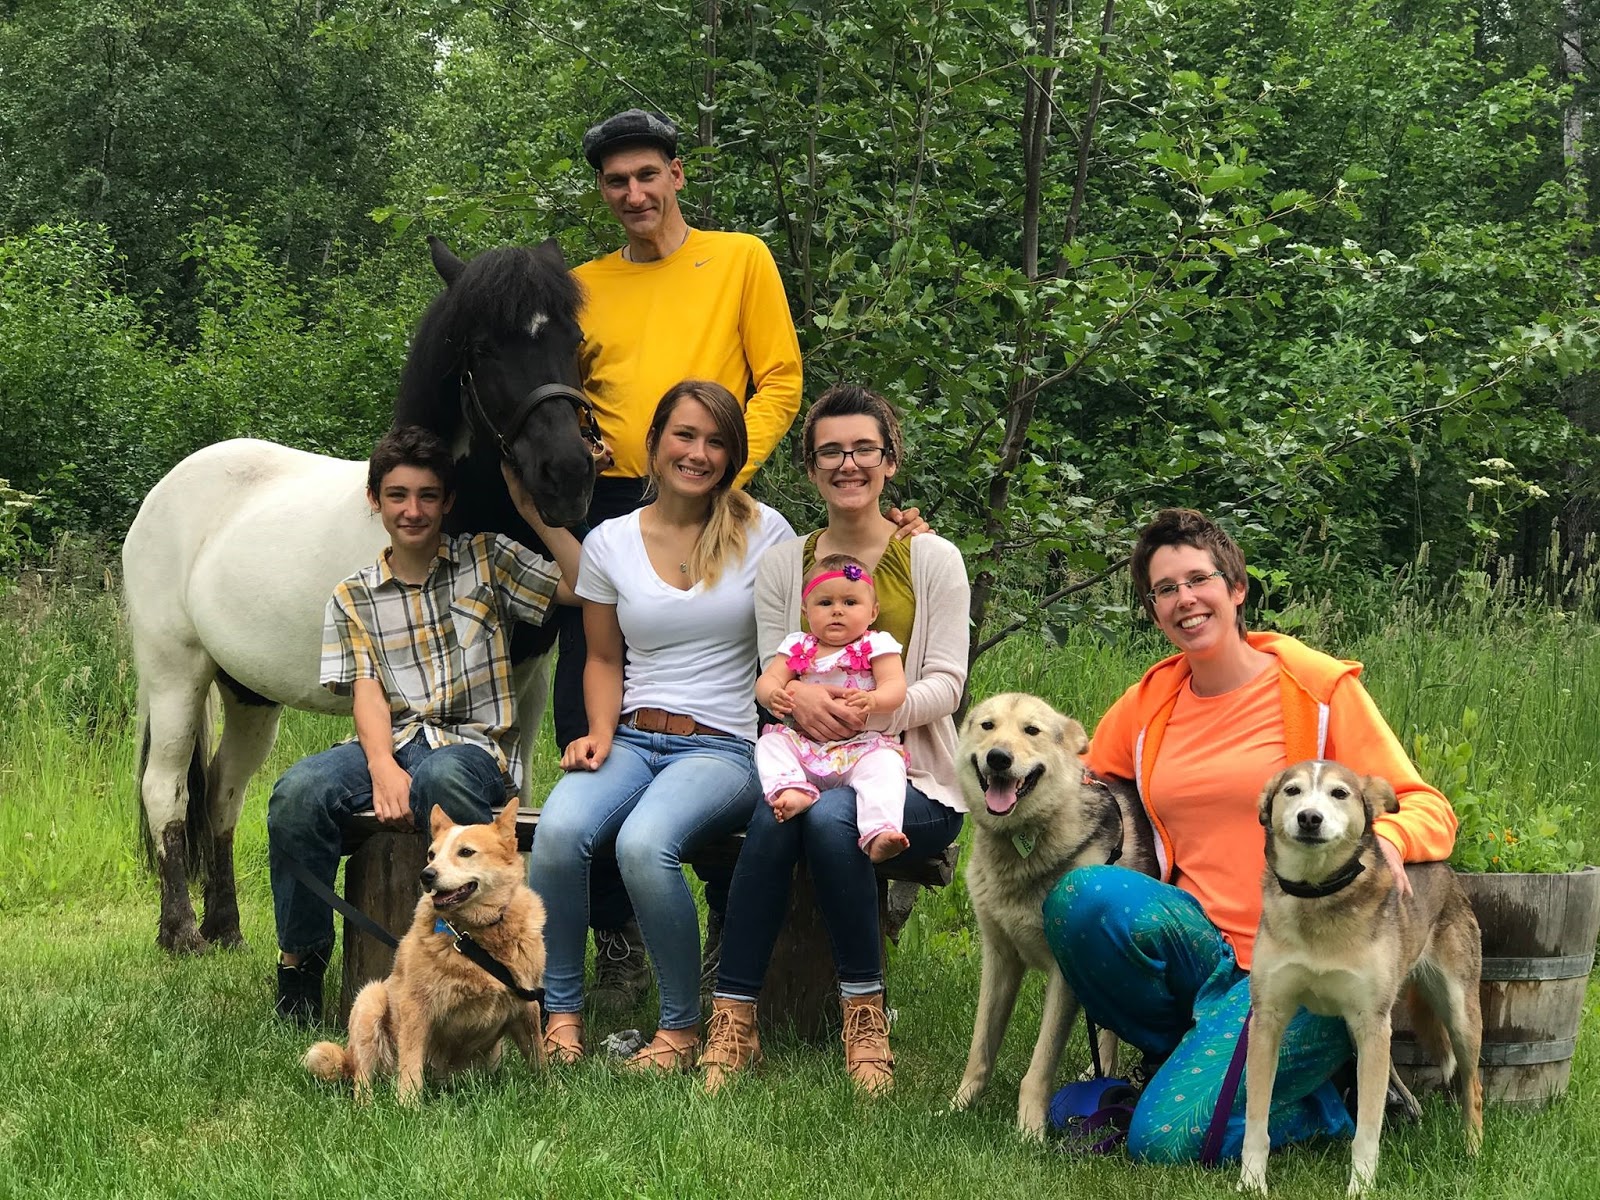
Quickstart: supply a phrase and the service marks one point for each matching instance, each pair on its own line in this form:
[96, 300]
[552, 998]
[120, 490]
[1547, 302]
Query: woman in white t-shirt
[669, 614]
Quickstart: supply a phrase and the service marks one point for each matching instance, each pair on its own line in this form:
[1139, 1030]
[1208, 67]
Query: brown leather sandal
[563, 1039]
[664, 1057]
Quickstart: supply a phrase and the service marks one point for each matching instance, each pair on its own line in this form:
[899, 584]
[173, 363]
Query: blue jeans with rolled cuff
[315, 799]
[847, 886]
[658, 797]
[1146, 963]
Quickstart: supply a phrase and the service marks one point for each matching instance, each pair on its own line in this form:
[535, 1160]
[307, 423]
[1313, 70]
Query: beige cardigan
[935, 657]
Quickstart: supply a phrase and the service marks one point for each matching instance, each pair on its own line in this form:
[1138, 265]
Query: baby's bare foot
[791, 802]
[886, 845]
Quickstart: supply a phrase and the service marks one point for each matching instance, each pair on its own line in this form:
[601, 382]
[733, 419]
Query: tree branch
[1054, 597]
[708, 108]
[1086, 134]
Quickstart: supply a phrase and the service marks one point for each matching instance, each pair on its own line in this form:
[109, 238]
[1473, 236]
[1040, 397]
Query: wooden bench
[801, 991]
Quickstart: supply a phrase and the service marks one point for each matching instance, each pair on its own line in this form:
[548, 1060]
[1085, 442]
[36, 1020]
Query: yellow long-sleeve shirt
[713, 309]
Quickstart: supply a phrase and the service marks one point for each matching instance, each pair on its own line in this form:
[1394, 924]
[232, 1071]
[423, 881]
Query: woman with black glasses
[852, 448]
[1164, 964]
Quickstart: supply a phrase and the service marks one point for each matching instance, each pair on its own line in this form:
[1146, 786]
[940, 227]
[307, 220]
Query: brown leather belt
[659, 720]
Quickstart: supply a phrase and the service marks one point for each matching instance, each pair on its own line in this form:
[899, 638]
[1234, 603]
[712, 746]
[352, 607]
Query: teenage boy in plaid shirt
[419, 641]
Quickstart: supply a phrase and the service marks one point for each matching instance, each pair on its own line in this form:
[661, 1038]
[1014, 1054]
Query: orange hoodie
[1326, 714]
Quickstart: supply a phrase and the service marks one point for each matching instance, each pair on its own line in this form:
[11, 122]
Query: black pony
[505, 326]
[234, 553]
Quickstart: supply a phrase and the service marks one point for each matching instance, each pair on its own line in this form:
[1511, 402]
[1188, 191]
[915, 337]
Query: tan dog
[1337, 936]
[437, 1008]
[1036, 814]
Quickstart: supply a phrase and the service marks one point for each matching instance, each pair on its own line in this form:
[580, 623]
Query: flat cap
[634, 125]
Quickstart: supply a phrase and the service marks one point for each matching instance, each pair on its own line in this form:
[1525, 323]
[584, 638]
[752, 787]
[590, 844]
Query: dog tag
[1023, 843]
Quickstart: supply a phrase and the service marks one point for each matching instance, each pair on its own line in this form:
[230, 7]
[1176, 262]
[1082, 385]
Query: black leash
[462, 942]
[1093, 1031]
[337, 902]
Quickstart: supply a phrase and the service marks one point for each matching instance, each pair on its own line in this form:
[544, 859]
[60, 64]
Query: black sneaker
[300, 989]
[621, 970]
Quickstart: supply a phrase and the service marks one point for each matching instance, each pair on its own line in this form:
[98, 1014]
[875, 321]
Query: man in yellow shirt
[677, 303]
[673, 303]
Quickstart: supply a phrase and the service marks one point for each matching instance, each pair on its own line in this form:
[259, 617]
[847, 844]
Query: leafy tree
[1309, 265]
[139, 116]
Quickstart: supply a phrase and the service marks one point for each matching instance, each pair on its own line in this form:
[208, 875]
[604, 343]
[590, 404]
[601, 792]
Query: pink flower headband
[851, 572]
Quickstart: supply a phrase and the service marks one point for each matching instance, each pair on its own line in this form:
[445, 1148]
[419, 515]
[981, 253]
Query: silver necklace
[683, 563]
[627, 256]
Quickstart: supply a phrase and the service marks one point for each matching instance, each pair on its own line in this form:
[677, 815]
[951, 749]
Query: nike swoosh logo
[702, 262]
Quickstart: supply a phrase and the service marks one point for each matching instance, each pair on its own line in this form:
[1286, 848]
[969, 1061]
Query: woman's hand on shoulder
[585, 753]
[825, 713]
[1397, 865]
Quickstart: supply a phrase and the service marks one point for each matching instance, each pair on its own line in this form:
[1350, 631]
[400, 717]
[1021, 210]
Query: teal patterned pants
[1146, 964]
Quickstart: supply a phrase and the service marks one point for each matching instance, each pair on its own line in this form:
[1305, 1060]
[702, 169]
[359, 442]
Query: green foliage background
[1328, 273]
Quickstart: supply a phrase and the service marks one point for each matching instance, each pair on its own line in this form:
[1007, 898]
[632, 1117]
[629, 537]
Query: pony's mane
[496, 296]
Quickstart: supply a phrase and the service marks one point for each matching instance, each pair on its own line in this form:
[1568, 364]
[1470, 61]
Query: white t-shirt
[690, 652]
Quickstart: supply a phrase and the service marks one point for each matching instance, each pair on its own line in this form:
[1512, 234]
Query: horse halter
[588, 428]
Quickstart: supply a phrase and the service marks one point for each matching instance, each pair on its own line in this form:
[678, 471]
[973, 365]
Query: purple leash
[1211, 1150]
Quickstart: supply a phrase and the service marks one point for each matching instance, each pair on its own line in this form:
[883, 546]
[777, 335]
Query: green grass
[126, 1073]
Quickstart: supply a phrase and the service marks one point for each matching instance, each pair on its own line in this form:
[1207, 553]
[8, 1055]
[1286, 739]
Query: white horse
[230, 562]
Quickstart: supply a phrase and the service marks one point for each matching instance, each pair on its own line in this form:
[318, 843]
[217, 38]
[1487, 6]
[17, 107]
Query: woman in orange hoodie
[1165, 964]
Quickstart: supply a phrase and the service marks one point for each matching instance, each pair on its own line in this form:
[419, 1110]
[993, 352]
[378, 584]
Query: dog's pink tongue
[1001, 797]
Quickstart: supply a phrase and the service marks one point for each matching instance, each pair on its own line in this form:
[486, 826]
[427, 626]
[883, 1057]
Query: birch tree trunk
[1572, 148]
[1578, 393]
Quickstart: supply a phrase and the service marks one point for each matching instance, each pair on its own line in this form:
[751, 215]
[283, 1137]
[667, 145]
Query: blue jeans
[1147, 964]
[847, 886]
[658, 797]
[609, 910]
[314, 801]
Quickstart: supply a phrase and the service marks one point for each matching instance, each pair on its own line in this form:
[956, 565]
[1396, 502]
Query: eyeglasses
[1167, 591]
[830, 458]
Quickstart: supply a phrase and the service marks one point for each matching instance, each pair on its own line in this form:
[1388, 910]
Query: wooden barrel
[1538, 948]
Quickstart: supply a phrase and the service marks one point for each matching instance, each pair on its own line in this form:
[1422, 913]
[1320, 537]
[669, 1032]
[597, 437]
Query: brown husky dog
[438, 1008]
[1337, 936]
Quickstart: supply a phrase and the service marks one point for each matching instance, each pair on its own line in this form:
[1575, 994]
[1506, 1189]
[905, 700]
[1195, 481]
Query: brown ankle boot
[866, 1043]
[732, 1043]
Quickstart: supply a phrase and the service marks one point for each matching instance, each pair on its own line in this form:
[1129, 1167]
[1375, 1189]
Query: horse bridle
[588, 427]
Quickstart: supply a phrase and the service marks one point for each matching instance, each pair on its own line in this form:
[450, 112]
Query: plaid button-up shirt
[442, 648]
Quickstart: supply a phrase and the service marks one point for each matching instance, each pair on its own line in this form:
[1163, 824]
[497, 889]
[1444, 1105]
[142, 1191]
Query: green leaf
[1228, 175]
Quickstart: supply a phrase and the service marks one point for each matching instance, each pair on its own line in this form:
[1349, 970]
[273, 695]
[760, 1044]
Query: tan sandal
[563, 1039]
[664, 1057]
